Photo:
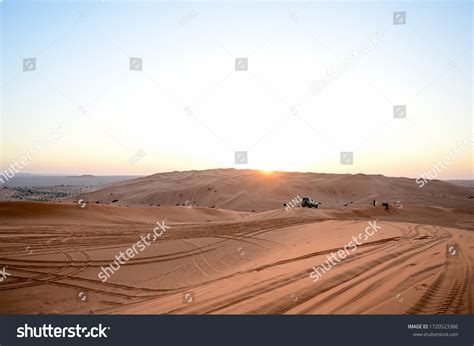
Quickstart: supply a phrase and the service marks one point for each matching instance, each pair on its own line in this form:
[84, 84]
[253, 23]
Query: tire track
[446, 293]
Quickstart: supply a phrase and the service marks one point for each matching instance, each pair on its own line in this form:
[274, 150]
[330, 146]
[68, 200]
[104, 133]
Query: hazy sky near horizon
[190, 109]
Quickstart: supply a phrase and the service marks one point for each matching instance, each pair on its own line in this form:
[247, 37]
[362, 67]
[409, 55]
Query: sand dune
[225, 262]
[248, 190]
[56, 213]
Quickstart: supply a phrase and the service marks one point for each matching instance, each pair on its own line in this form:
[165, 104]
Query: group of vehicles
[307, 202]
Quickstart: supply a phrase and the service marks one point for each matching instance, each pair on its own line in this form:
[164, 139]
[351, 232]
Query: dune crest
[247, 190]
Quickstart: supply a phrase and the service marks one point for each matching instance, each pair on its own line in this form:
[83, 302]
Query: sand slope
[218, 261]
[248, 190]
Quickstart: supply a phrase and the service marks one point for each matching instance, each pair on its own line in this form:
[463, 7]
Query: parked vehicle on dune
[309, 203]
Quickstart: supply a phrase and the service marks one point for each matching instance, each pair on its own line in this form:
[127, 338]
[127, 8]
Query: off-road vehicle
[309, 203]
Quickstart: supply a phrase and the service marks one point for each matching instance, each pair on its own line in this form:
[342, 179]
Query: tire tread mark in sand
[243, 240]
[263, 287]
[342, 276]
[287, 279]
[272, 283]
[204, 258]
[413, 248]
[282, 281]
[99, 263]
[90, 289]
[353, 274]
[445, 294]
[43, 276]
[155, 292]
[193, 259]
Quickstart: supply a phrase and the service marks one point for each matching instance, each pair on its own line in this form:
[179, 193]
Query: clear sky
[190, 109]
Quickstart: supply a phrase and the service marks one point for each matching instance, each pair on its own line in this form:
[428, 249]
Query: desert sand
[231, 260]
[248, 190]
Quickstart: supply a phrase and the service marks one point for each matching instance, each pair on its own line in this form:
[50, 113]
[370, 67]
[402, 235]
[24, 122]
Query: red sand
[233, 262]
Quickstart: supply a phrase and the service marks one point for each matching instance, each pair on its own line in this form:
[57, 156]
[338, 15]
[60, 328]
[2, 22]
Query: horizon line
[78, 175]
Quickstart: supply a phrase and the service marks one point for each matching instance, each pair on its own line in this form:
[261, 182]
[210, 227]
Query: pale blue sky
[108, 113]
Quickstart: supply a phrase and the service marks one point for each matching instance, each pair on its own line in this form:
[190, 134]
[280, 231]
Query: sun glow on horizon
[266, 171]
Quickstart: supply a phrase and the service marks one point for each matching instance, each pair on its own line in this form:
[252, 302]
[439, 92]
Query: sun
[266, 172]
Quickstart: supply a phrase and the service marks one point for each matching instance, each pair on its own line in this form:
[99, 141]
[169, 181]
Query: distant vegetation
[46, 194]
